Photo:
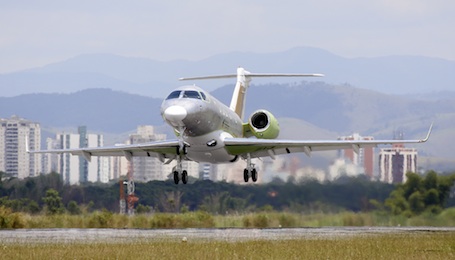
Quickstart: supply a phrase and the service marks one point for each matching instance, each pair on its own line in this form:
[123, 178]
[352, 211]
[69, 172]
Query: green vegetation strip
[418, 245]
[202, 219]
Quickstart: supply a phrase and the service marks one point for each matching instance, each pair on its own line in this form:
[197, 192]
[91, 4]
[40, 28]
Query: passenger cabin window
[174, 94]
[191, 94]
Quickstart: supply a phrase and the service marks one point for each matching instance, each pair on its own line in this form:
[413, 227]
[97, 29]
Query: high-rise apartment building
[365, 156]
[16, 134]
[146, 168]
[75, 169]
[395, 162]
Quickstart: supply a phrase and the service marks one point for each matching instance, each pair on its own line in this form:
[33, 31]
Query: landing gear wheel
[184, 177]
[254, 175]
[176, 177]
[246, 175]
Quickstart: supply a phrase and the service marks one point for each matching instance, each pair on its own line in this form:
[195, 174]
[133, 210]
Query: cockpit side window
[174, 94]
[191, 94]
[203, 96]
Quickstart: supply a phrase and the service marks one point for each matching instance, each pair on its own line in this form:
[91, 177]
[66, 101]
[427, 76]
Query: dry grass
[419, 245]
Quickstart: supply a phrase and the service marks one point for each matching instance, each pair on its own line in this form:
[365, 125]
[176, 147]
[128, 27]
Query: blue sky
[35, 33]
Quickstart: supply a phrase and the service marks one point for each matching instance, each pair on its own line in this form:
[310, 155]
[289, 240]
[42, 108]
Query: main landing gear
[247, 174]
[250, 171]
[182, 175]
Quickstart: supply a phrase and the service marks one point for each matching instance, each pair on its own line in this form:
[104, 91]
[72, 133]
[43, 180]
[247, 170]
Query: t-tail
[243, 80]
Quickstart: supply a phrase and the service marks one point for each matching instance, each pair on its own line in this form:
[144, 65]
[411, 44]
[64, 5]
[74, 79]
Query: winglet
[428, 134]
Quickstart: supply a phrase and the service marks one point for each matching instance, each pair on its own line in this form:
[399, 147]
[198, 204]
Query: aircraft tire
[254, 175]
[184, 176]
[176, 177]
[245, 175]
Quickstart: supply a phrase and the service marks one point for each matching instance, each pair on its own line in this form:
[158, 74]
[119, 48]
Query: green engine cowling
[263, 125]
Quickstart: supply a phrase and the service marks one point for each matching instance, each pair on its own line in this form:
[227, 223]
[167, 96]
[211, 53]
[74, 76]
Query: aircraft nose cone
[175, 114]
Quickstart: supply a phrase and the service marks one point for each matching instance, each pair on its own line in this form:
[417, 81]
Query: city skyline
[76, 170]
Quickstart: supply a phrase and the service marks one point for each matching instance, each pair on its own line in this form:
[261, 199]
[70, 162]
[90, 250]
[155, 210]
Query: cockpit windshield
[174, 94]
[191, 94]
[187, 94]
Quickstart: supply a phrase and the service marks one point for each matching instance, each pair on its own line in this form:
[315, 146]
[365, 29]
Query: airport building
[395, 162]
[15, 132]
[364, 158]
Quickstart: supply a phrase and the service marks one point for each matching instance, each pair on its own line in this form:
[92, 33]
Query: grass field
[414, 245]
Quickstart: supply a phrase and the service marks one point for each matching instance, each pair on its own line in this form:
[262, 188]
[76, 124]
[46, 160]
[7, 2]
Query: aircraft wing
[161, 149]
[271, 147]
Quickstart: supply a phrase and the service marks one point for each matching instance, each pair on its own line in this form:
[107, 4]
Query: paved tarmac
[233, 235]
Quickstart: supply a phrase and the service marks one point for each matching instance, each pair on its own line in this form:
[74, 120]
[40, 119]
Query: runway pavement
[129, 235]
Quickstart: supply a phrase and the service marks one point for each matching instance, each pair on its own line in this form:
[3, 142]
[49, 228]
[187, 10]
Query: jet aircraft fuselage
[203, 122]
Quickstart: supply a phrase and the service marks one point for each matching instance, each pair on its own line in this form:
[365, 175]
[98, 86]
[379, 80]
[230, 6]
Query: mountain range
[390, 74]
[309, 110]
[372, 96]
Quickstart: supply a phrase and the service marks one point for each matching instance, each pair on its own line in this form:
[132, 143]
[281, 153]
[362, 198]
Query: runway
[36, 236]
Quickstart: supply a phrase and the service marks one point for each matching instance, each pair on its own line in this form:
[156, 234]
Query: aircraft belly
[211, 156]
[209, 148]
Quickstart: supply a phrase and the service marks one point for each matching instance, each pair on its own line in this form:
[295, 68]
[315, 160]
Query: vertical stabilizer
[239, 95]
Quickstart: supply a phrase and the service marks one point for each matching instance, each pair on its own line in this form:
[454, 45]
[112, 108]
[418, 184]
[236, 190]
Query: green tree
[430, 181]
[416, 203]
[53, 202]
[396, 202]
[419, 194]
[73, 208]
[412, 184]
[33, 207]
[143, 209]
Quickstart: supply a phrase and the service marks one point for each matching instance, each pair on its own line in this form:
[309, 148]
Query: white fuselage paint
[205, 123]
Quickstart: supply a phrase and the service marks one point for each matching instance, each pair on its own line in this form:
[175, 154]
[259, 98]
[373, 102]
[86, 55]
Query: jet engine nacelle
[264, 125]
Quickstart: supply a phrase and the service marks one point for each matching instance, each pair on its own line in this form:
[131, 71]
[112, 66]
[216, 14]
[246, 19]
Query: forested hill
[324, 110]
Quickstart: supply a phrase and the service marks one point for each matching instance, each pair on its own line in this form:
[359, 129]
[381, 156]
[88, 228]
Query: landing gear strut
[250, 171]
[180, 174]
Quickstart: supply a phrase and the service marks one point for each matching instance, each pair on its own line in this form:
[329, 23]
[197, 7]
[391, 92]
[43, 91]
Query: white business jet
[209, 131]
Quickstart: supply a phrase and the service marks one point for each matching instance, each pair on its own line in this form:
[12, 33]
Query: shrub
[101, 219]
[8, 219]
[256, 220]
[287, 220]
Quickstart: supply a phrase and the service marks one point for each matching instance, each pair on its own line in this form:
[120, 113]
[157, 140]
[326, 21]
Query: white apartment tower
[147, 168]
[14, 159]
[75, 169]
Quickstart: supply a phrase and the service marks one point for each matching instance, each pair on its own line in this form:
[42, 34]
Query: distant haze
[392, 74]
[36, 33]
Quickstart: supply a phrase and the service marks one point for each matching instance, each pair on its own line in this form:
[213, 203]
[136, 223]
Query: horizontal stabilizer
[256, 75]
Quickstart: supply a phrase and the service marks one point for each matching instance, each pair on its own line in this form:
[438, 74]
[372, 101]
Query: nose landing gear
[179, 173]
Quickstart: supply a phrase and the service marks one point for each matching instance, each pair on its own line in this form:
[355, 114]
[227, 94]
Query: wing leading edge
[268, 147]
[161, 149]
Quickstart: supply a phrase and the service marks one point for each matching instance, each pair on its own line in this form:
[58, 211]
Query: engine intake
[263, 124]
